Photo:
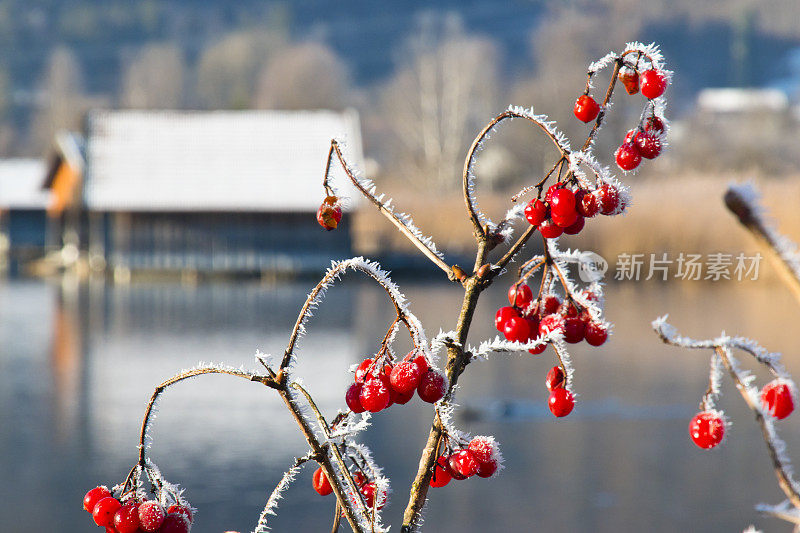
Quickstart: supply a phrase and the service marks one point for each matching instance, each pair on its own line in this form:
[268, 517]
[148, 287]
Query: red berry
[94, 496]
[550, 323]
[362, 370]
[329, 213]
[359, 479]
[653, 83]
[574, 329]
[630, 79]
[104, 511]
[588, 205]
[548, 196]
[707, 429]
[555, 378]
[586, 109]
[654, 124]
[482, 448]
[374, 395]
[629, 136]
[562, 202]
[369, 491]
[520, 296]
[421, 363]
[400, 398]
[441, 473]
[517, 329]
[609, 199]
[536, 212]
[550, 305]
[175, 523]
[566, 220]
[321, 483]
[628, 157]
[182, 510]
[151, 515]
[576, 226]
[464, 462]
[776, 397]
[533, 326]
[126, 519]
[502, 316]
[561, 402]
[487, 469]
[353, 398]
[538, 349]
[550, 229]
[596, 334]
[648, 144]
[432, 386]
[405, 377]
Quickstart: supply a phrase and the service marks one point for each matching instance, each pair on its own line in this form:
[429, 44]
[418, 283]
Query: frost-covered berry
[630, 79]
[421, 363]
[627, 156]
[707, 429]
[588, 205]
[441, 473]
[586, 109]
[536, 212]
[374, 395]
[776, 397]
[576, 226]
[520, 296]
[104, 511]
[516, 329]
[648, 144]
[321, 483]
[574, 330]
[550, 304]
[369, 490]
[653, 83]
[432, 386]
[487, 469]
[551, 323]
[463, 462]
[555, 378]
[363, 369]
[561, 402]
[405, 377]
[126, 519]
[175, 523]
[400, 398]
[609, 199]
[151, 515]
[182, 510]
[329, 213]
[483, 448]
[94, 496]
[353, 398]
[549, 229]
[502, 315]
[654, 124]
[595, 334]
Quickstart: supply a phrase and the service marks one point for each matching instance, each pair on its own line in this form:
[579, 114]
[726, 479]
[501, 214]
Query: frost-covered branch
[277, 494]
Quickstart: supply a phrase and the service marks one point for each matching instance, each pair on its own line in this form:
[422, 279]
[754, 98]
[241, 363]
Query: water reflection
[77, 364]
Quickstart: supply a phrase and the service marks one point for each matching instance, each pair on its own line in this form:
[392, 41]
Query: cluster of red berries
[707, 428]
[645, 141]
[367, 488]
[526, 319]
[329, 213]
[561, 400]
[565, 210]
[379, 384]
[134, 516]
[481, 457]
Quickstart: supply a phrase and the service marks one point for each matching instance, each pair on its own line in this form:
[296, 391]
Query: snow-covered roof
[21, 184]
[215, 160]
[732, 100]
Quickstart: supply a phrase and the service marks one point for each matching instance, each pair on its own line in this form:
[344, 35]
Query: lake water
[78, 363]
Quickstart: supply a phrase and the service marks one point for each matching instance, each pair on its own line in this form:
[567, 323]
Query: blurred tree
[303, 76]
[445, 87]
[154, 79]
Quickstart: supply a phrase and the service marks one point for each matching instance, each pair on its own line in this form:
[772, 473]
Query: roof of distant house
[21, 184]
[215, 160]
[737, 100]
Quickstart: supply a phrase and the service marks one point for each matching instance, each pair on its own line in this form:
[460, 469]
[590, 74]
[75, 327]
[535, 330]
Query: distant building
[737, 100]
[218, 191]
[23, 205]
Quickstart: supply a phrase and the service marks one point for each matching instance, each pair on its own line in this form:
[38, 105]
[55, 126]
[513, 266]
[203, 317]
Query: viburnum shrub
[558, 313]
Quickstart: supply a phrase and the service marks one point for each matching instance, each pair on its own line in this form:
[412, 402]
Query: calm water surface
[77, 364]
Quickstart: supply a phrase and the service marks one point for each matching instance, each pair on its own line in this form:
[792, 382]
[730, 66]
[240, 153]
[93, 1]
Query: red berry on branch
[776, 397]
[502, 316]
[561, 402]
[94, 496]
[648, 144]
[517, 329]
[370, 491]
[566, 220]
[421, 363]
[104, 511]
[562, 203]
[321, 483]
[654, 124]
[536, 212]
[550, 190]
[576, 226]
[538, 349]
[175, 523]
[549, 229]
[359, 479]
[329, 213]
[487, 469]
[432, 386]
[362, 370]
[400, 398]
[550, 323]
[405, 377]
[520, 296]
[353, 398]
[182, 510]
[463, 462]
[555, 378]
[627, 157]
[126, 519]
[151, 516]
[653, 83]
[482, 448]
[441, 473]
[630, 79]
[586, 109]
[573, 330]
[596, 334]
[609, 199]
[374, 395]
[588, 205]
[550, 304]
[533, 326]
[707, 429]
[629, 136]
